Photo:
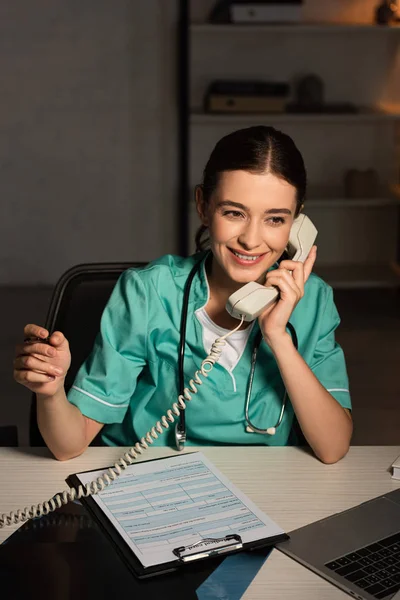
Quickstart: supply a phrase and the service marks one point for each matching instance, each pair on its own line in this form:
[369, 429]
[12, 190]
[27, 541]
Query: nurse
[253, 187]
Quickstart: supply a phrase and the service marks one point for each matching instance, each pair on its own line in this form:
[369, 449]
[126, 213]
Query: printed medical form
[159, 505]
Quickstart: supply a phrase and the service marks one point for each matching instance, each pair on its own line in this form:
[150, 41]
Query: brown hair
[258, 149]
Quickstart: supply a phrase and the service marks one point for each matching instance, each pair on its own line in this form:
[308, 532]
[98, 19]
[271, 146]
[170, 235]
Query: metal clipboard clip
[209, 547]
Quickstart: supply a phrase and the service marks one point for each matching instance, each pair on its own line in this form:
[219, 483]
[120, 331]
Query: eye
[235, 214]
[276, 221]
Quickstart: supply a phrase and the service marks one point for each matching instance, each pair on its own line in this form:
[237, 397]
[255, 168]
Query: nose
[251, 237]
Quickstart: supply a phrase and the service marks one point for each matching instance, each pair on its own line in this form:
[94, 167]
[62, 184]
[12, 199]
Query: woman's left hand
[274, 319]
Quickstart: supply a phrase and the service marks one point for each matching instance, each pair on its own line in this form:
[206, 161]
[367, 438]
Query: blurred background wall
[87, 134]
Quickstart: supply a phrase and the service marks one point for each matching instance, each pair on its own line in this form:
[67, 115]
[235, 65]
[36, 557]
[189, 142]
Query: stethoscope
[180, 429]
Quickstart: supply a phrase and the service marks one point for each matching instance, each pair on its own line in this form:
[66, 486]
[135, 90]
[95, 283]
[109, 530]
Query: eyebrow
[270, 211]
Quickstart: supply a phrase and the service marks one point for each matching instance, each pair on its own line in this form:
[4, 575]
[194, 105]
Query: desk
[288, 484]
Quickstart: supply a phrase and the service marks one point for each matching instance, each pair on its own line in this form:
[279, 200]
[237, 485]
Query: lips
[247, 262]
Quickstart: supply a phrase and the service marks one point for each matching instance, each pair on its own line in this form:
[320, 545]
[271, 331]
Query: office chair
[76, 306]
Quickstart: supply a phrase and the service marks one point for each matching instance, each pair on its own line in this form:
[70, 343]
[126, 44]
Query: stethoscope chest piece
[180, 437]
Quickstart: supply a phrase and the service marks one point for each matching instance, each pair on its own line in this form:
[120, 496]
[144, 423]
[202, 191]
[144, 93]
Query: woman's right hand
[42, 366]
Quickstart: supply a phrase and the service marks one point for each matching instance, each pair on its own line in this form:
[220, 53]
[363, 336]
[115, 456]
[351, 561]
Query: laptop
[357, 550]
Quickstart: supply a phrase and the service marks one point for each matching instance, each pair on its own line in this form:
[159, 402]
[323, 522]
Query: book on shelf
[246, 96]
[252, 87]
[256, 11]
[218, 103]
[282, 11]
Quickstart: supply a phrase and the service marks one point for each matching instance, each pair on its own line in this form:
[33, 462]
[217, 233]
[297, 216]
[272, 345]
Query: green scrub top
[131, 377]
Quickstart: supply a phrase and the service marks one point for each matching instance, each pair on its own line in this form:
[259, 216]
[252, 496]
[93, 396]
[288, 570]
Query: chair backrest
[76, 307]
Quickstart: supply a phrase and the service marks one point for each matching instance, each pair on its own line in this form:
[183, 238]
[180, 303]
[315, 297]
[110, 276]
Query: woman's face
[249, 219]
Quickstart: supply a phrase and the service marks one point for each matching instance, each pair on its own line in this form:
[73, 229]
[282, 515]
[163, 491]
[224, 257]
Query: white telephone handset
[253, 298]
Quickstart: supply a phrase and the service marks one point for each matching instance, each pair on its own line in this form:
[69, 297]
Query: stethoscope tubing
[180, 430]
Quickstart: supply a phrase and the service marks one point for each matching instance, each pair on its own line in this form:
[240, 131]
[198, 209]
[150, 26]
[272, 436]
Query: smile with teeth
[245, 257]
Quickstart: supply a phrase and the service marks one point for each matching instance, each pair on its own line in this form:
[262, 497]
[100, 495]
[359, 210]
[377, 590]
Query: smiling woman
[252, 151]
[253, 187]
[247, 242]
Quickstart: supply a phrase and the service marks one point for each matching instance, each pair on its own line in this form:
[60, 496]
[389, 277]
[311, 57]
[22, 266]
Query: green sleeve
[106, 381]
[328, 363]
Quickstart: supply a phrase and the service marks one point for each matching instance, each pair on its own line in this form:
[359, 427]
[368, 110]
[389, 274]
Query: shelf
[331, 198]
[349, 223]
[360, 276]
[368, 116]
[351, 202]
[340, 28]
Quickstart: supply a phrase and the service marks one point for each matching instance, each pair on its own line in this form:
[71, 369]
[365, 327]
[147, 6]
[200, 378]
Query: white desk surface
[288, 484]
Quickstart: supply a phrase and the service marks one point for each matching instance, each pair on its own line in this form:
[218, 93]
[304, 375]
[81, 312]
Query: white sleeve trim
[338, 390]
[74, 387]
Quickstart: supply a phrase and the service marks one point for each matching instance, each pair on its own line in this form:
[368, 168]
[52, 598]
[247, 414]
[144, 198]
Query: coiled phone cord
[93, 487]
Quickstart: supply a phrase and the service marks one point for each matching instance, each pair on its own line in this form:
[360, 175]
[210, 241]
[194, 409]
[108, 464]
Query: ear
[200, 205]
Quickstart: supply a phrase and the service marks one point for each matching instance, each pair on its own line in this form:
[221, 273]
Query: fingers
[301, 272]
[43, 351]
[31, 363]
[295, 270]
[35, 331]
[284, 282]
[37, 357]
[34, 361]
[309, 262]
[27, 377]
[58, 339]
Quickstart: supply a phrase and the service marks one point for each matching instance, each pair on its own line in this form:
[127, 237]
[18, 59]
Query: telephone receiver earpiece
[302, 236]
[252, 299]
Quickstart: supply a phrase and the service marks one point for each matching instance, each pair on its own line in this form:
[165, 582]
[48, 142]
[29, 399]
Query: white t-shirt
[234, 344]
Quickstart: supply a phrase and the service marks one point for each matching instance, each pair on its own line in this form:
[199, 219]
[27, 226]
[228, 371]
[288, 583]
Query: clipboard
[211, 547]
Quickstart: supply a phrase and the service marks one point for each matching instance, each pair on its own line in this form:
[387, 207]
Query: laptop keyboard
[375, 568]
